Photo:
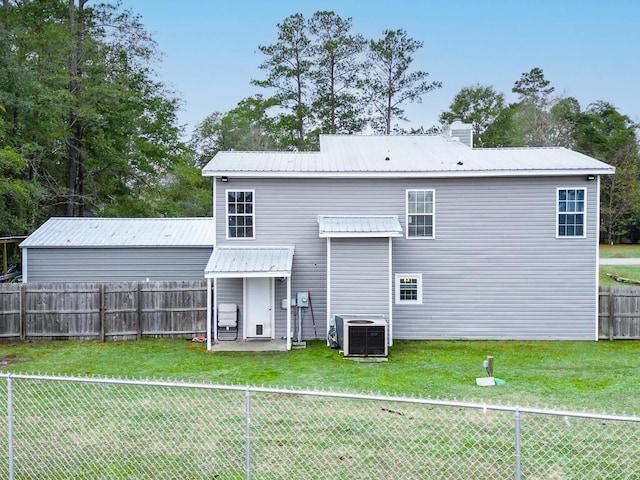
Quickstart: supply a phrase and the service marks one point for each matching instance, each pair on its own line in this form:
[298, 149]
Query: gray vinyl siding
[230, 291]
[56, 264]
[360, 276]
[495, 269]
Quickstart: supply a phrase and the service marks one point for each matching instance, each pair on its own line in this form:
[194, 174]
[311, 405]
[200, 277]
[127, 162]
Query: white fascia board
[255, 247]
[414, 174]
[116, 247]
[360, 235]
[356, 216]
[246, 274]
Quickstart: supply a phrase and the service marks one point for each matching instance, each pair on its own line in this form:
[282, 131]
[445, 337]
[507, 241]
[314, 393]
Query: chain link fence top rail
[88, 428]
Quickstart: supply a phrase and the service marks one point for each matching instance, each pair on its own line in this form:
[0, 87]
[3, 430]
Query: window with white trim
[409, 288]
[571, 212]
[240, 214]
[420, 213]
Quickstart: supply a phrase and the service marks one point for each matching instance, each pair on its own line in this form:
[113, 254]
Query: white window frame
[433, 213]
[418, 278]
[583, 213]
[252, 214]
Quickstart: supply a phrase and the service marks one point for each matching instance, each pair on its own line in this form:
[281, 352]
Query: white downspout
[328, 288]
[390, 289]
[288, 313]
[211, 304]
[215, 309]
[598, 258]
[208, 314]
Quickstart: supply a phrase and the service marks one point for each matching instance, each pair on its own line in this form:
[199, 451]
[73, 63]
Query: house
[118, 249]
[443, 240]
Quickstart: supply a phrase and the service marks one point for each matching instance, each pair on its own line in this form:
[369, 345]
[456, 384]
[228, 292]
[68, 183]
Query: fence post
[102, 315]
[611, 317]
[518, 452]
[247, 447]
[139, 312]
[23, 311]
[10, 424]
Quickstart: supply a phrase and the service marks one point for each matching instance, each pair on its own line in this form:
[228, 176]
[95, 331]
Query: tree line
[86, 129]
[320, 77]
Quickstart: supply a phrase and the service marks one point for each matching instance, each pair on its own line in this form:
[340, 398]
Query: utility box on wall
[302, 299]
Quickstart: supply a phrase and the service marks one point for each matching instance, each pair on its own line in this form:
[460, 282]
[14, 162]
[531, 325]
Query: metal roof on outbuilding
[123, 232]
[396, 156]
[359, 226]
[241, 262]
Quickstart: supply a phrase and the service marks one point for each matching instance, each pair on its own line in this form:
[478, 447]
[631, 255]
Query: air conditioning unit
[362, 336]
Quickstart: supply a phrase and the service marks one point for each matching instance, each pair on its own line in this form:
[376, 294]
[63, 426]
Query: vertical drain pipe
[247, 446]
[10, 424]
[518, 446]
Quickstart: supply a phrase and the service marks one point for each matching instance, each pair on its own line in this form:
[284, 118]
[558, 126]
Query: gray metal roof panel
[405, 155]
[250, 261]
[123, 232]
[359, 226]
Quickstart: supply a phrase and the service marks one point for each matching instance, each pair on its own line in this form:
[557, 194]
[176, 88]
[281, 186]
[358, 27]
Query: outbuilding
[118, 249]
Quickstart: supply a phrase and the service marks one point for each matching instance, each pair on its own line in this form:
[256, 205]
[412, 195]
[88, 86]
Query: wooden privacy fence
[619, 313]
[105, 311]
[113, 311]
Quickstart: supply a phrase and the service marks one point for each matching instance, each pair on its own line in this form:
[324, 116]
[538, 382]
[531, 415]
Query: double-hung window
[409, 288]
[240, 214]
[571, 212]
[420, 213]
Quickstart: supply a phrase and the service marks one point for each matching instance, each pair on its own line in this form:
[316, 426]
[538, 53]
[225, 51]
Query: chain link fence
[87, 428]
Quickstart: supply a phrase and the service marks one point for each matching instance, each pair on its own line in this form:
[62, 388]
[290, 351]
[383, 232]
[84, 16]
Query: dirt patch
[6, 360]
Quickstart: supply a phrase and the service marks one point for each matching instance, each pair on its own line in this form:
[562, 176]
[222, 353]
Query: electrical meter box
[302, 299]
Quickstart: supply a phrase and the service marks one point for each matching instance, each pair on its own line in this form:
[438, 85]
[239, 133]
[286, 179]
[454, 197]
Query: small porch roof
[345, 226]
[240, 262]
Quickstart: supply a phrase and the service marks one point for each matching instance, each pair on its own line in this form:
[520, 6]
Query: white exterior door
[258, 302]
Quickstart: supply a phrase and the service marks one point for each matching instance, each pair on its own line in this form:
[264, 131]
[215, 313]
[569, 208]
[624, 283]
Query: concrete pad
[250, 346]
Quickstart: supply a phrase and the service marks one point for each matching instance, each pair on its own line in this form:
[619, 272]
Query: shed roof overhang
[372, 226]
[242, 262]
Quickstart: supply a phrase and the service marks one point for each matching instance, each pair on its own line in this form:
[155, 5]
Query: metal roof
[388, 156]
[123, 232]
[250, 262]
[359, 226]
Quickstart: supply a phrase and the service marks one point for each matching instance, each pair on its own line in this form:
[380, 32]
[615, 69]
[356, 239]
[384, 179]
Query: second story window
[420, 213]
[571, 212]
[240, 214]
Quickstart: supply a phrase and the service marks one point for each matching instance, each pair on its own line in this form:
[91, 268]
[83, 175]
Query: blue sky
[588, 49]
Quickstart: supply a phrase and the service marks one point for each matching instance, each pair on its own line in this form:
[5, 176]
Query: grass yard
[625, 271]
[590, 376]
[620, 251]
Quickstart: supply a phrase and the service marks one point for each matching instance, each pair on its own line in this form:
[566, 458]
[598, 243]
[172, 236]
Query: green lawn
[591, 376]
[620, 251]
[624, 271]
